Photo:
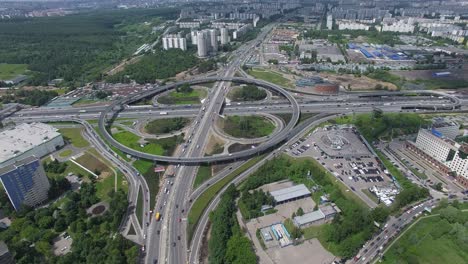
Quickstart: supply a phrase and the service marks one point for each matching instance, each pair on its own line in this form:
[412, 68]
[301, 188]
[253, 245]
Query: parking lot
[343, 152]
[62, 244]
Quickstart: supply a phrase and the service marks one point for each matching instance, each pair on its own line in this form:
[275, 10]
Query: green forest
[162, 64]
[76, 47]
[249, 93]
[95, 239]
[228, 244]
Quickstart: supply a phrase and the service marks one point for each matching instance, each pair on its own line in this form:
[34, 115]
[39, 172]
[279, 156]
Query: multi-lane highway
[165, 240]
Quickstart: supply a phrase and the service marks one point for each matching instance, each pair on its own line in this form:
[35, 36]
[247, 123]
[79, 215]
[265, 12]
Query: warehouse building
[25, 182]
[323, 215]
[290, 194]
[25, 140]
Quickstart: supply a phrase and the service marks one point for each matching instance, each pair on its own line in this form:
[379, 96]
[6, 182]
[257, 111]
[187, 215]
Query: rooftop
[290, 193]
[309, 217]
[17, 164]
[24, 137]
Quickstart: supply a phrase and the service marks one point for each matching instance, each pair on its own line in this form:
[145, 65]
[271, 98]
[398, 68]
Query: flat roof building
[24, 140]
[25, 182]
[320, 216]
[290, 194]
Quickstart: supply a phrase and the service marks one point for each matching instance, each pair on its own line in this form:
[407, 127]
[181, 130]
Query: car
[180, 220]
[158, 232]
[178, 237]
[173, 244]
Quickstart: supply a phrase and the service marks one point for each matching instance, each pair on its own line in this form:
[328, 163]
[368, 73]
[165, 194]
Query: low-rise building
[323, 215]
[289, 194]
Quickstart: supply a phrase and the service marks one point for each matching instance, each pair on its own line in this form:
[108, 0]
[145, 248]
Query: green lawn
[139, 207]
[319, 232]
[270, 76]
[425, 243]
[204, 173]
[166, 125]
[164, 146]
[442, 83]
[248, 126]
[10, 71]
[205, 198]
[180, 98]
[74, 136]
[65, 153]
[145, 167]
[104, 186]
[71, 168]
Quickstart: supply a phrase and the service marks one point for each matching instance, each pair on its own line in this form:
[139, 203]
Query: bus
[157, 216]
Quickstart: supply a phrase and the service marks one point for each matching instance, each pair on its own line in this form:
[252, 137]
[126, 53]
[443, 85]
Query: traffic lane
[394, 226]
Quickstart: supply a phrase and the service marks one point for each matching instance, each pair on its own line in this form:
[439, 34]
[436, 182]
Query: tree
[300, 212]
[184, 88]
[380, 214]
[60, 225]
[377, 113]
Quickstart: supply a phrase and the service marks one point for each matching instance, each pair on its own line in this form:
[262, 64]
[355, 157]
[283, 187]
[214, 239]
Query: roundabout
[113, 110]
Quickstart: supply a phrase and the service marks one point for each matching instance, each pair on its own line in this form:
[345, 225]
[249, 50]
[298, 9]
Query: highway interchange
[165, 241]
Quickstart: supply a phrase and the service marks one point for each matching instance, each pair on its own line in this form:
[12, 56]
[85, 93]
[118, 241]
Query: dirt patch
[213, 145]
[355, 83]
[236, 147]
[98, 209]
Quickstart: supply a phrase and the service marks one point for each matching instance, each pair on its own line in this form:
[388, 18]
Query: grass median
[206, 197]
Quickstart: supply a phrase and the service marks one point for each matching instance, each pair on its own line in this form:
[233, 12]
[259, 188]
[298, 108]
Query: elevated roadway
[274, 140]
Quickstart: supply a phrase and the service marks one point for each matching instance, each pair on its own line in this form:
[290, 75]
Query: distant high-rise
[193, 37]
[174, 42]
[213, 40]
[329, 22]
[25, 182]
[224, 36]
[202, 44]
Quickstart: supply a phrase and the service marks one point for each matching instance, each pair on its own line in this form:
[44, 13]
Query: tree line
[227, 243]
[95, 239]
[74, 47]
[161, 64]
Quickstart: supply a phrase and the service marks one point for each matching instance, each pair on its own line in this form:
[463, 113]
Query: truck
[163, 113]
[157, 216]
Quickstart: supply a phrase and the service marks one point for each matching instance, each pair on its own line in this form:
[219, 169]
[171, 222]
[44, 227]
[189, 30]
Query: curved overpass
[274, 140]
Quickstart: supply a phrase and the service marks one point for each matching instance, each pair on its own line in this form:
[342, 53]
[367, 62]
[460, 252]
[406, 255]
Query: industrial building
[25, 182]
[450, 157]
[317, 85]
[174, 42]
[323, 215]
[290, 194]
[24, 140]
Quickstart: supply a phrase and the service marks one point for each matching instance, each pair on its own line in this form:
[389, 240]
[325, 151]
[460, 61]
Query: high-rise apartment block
[25, 182]
[174, 42]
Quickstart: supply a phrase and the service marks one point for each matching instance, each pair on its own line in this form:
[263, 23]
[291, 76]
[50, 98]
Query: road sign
[160, 169]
